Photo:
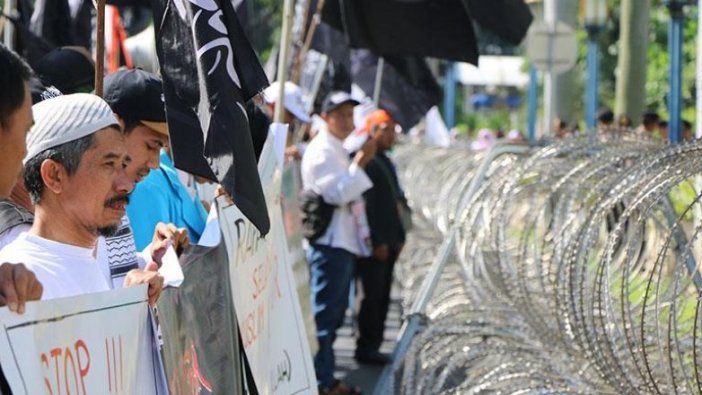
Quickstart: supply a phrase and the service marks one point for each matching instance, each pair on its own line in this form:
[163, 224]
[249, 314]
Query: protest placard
[197, 322]
[100, 343]
[291, 185]
[264, 292]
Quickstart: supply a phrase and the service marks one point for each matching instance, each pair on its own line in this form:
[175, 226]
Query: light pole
[450, 95]
[675, 27]
[595, 19]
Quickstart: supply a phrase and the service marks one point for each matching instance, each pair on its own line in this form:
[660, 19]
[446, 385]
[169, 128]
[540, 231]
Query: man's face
[13, 146]
[386, 139]
[98, 193]
[340, 121]
[143, 146]
[687, 135]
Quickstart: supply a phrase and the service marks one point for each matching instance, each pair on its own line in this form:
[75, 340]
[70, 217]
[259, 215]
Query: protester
[69, 69]
[663, 130]
[624, 121]
[649, 123]
[605, 119]
[515, 136]
[17, 284]
[16, 212]
[484, 141]
[560, 128]
[162, 197]
[294, 110]
[135, 96]
[293, 102]
[328, 171]
[687, 133]
[375, 273]
[75, 174]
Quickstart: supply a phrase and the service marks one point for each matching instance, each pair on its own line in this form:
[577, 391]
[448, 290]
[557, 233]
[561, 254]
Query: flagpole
[309, 35]
[378, 81]
[8, 26]
[100, 49]
[285, 36]
[300, 22]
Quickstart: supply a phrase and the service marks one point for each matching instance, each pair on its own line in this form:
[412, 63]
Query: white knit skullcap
[66, 118]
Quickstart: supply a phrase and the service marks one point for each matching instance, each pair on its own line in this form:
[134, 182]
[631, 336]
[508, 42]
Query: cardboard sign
[91, 344]
[264, 291]
[200, 343]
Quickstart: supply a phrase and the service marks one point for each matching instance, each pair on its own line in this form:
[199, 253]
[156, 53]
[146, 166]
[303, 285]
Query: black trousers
[374, 280]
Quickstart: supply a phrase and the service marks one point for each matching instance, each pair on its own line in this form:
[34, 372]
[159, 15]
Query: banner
[100, 343]
[263, 288]
[209, 72]
[198, 327]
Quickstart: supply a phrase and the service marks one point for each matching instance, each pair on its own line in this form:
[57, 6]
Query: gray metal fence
[571, 268]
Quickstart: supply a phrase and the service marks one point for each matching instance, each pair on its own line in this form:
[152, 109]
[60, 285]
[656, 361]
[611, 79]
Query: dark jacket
[381, 202]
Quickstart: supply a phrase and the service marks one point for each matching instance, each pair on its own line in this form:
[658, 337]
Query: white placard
[91, 344]
[265, 297]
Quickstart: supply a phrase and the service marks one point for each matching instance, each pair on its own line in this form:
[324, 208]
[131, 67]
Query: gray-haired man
[75, 174]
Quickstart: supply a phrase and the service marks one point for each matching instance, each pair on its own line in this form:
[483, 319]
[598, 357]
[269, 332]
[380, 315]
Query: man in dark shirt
[387, 235]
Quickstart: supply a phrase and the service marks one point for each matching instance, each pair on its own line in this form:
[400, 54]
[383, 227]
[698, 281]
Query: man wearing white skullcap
[75, 174]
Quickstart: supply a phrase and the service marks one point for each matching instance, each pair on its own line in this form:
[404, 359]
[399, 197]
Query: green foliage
[491, 119]
[657, 77]
[658, 67]
[265, 20]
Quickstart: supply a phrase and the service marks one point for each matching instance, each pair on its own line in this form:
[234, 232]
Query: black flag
[408, 90]
[209, 72]
[509, 19]
[433, 28]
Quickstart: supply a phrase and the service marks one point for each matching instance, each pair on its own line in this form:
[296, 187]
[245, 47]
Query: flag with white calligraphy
[209, 72]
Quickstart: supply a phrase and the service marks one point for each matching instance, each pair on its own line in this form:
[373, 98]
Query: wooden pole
[378, 80]
[7, 25]
[285, 38]
[299, 39]
[309, 35]
[100, 50]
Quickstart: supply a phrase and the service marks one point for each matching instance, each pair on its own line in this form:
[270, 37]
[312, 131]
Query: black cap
[136, 95]
[69, 69]
[40, 91]
[336, 99]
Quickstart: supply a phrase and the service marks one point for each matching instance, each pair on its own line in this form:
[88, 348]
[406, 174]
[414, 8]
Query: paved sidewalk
[350, 371]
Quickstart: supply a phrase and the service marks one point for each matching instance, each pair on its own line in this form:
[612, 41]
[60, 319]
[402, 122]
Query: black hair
[129, 126]
[14, 73]
[68, 154]
[605, 115]
[650, 118]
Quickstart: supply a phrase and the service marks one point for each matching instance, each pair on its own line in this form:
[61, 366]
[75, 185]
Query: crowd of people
[651, 126]
[90, 199]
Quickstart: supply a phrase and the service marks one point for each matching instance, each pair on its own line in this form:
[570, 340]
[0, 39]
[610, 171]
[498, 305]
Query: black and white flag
[209, 72]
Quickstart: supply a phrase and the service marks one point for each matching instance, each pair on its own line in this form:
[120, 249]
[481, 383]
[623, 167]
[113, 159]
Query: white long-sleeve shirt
[328, 171]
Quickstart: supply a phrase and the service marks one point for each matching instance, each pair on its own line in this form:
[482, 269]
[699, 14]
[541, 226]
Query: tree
[567, 92]
[631, 72]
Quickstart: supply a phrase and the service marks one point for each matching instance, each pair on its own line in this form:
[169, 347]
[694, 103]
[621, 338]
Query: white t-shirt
[64, 270]
[11, 234]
